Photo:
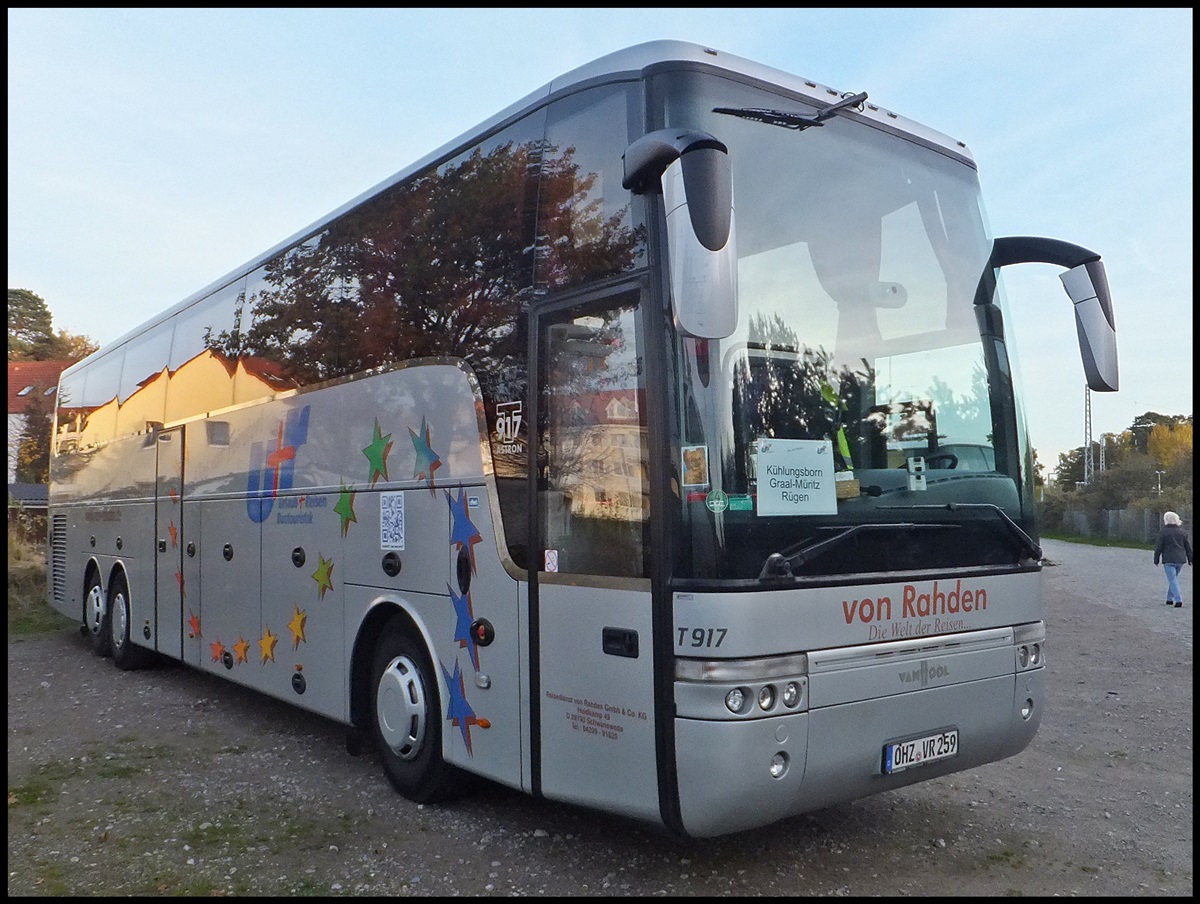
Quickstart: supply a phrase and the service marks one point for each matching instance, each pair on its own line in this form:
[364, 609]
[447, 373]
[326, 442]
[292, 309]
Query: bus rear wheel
[407, 724]
[95, 616]
[126, 655]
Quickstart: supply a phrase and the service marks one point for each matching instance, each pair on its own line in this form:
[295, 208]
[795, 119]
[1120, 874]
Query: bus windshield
[867, 391]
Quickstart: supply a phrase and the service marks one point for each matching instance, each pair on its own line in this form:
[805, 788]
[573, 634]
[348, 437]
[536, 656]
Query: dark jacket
[1173, 546]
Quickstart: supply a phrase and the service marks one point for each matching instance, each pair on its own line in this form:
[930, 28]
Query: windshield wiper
[1027, 543]
[787, 120]
[784, 564]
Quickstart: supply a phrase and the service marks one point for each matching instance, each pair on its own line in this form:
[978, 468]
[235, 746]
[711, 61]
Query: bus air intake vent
[58, 558]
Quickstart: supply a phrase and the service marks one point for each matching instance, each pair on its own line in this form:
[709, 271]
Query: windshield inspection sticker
[795, 477]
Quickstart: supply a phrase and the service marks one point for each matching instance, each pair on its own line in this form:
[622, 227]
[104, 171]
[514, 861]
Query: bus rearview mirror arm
[1087, 287]
[692, 168]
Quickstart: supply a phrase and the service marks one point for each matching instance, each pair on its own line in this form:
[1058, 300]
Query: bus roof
[632, 63]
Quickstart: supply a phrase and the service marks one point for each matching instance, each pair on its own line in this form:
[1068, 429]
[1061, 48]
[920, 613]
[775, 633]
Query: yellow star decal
[296, 626]
[267, 644]
[323, 575]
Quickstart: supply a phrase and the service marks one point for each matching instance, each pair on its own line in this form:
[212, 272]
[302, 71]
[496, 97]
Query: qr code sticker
[391, 521]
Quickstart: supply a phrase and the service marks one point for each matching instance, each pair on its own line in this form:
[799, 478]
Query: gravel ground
[171, 782]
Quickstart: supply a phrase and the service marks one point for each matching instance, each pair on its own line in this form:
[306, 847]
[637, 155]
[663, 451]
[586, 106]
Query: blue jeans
[1172, 571]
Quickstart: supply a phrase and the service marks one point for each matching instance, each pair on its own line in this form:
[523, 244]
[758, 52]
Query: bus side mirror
[1087, 287]
[696, 180]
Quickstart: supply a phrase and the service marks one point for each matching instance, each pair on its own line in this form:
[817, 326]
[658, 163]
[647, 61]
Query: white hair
[1170, 518]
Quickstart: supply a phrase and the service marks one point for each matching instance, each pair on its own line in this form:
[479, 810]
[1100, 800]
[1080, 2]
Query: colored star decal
[323, 575]
[179, 578]
[267, 645]
[459, 711]
[296, 626]
[462, 627]
[217, 649]
[194, 624]
[427, 461]
[345, 508]
[463, 532]
[241, 650]
[174, 532]
[377, 454]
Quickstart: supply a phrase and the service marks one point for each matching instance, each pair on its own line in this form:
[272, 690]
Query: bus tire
[95, 616]
[406, 717]
[126, 655]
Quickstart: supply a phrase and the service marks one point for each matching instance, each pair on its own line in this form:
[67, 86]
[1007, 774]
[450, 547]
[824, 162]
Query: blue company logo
[273, 471]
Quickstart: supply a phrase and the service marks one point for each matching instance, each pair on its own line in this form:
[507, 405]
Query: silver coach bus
[615, 452]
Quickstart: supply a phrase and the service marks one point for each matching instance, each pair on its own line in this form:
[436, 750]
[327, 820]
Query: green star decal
[377, 454]
[323, 575]
[345, 508]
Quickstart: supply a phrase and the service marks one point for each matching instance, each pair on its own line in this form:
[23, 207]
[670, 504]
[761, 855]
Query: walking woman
[1173, 549]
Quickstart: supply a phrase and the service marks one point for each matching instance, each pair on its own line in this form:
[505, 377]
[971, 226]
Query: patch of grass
[1006, 858]
[1097, 541]
[47, 779]
[29, 609]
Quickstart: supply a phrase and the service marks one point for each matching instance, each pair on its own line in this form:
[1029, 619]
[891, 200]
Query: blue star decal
[427, 461]
[459, 711]
[462, 628]
[463, 532]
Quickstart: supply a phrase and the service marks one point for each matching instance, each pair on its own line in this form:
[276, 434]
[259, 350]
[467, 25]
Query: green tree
[72, 346]
[33, 447]
[1144, 424]
[30, 332]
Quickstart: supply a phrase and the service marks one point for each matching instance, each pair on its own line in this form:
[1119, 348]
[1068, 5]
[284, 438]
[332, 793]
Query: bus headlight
[779, 764]
[1023, 656]
[735, 700]
[791, 694]
[766, 697]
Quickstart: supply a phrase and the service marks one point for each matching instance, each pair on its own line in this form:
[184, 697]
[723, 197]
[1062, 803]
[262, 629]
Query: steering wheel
[941, 460]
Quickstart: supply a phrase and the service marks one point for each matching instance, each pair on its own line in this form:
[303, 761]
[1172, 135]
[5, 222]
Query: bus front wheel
[407, 722]
[95, 616]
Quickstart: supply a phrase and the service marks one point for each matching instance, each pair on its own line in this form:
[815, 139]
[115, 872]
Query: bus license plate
[920, 751]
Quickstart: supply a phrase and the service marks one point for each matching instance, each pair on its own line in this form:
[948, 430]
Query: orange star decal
[194, 624]
[174, 532]
[241, 650]
[267, 645]
[218, 650]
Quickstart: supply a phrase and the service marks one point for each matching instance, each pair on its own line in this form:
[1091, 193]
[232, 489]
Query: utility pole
[1087, 435]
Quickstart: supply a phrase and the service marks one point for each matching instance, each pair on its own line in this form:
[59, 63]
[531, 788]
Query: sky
[153, 151]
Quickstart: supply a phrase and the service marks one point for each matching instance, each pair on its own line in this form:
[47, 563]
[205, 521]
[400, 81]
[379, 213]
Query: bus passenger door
[593, 613]
[169, 544]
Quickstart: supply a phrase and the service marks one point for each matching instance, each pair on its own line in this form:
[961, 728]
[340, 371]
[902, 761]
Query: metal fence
[1130, 525]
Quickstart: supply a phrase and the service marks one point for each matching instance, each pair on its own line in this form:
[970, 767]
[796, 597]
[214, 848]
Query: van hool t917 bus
[656, 446]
